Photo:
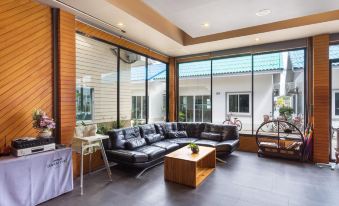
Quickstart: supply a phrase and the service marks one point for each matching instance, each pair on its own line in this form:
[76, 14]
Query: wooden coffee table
[183, 167]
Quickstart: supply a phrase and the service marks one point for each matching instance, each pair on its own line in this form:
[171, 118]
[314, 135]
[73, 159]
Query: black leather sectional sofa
[146, 145]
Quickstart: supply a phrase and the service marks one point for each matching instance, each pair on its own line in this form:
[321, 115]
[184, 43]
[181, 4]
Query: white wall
[221, 85]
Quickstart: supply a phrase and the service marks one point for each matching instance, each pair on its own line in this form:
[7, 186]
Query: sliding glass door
[334, 67]
[96, 82]
[118, 93]
[244, 90]
[195, 92]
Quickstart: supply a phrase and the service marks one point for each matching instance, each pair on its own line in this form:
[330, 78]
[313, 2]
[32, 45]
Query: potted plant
[194, 148]
[43, 123]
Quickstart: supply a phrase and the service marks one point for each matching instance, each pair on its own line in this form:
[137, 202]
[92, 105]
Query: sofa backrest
[147, 129]
[227, 132]
[132, 137]
[193, 129]
[126, 138]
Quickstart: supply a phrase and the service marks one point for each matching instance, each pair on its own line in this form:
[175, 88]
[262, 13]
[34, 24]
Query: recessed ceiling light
[263, 12]
[120, 24]
[205, 25]
[257, 39]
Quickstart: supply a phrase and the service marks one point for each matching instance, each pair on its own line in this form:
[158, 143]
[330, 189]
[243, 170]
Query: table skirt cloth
[34, 179]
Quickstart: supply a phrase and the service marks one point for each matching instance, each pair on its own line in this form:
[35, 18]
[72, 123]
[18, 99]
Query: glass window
[195, 109]
[157, 74]
[96, 82]
[195, 91]
[279, 87]
[334, 56]
[232, 86]
[84, 104]
[132, 84]
[239, 103]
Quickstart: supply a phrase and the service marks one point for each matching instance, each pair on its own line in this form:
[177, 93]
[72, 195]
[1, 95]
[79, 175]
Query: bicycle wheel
[227, 122]
[238, 124]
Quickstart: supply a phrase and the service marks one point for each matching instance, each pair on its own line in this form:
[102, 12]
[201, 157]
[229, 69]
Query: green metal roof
[232, 65]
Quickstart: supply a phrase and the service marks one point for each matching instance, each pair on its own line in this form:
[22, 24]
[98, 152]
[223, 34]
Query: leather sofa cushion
[207, 143]
[147, 129]
[211, 136]
[168, 146]
[227, 132]
[159, 128]
[132, 132]
[228, 146]
[116, 139]
[195, 129]
[126, 155]
[152, 152]
[182, 141]
[170, 127]
[152, 138]
[133, 143]
[177, 134]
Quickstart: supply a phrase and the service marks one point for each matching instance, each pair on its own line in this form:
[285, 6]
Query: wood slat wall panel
[321, 98]
[25, 66]
[67, 71]
[172, 89]
[118, 41]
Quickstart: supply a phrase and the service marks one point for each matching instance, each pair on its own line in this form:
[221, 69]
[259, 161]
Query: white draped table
[34, 179]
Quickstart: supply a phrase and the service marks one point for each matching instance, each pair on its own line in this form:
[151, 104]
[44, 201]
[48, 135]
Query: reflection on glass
[157, 91]
[96, 83]
[195, 92]
[232, 85]
[334, 55]
[279, 88]
[132, 89]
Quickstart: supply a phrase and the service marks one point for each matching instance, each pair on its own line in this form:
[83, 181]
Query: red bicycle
[235, 122]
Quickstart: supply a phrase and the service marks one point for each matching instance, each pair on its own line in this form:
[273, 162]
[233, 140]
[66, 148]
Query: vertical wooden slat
[25, 66]
[172, 89]
[66, 76]
[321, 98]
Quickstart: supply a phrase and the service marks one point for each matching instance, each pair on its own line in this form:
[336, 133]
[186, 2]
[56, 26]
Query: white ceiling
[151, 38]
[227, 15]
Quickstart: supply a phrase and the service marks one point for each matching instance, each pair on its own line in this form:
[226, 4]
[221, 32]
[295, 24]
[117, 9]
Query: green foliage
[193, 146]
[286, 111]
[182, 116]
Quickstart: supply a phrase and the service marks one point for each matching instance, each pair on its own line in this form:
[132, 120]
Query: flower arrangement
[41, 121]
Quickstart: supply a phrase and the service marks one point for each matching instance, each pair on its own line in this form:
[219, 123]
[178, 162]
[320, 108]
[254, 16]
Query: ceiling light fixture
[257, 39]
[120, 24]
[263, 12]
[205, 25]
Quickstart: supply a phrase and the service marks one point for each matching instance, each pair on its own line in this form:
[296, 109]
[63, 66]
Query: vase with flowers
[43, 123]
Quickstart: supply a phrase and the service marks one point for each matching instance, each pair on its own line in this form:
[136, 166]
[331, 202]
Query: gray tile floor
[245, 180]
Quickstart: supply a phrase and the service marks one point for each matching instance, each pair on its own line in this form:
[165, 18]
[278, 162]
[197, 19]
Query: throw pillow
[90, 130]
[134, 143]
[79, 131]
[152, 138]
[177, 134]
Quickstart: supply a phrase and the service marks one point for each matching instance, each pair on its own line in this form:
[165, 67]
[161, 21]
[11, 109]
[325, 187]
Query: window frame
[238, 94]
[334, 92]
[91, 91]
